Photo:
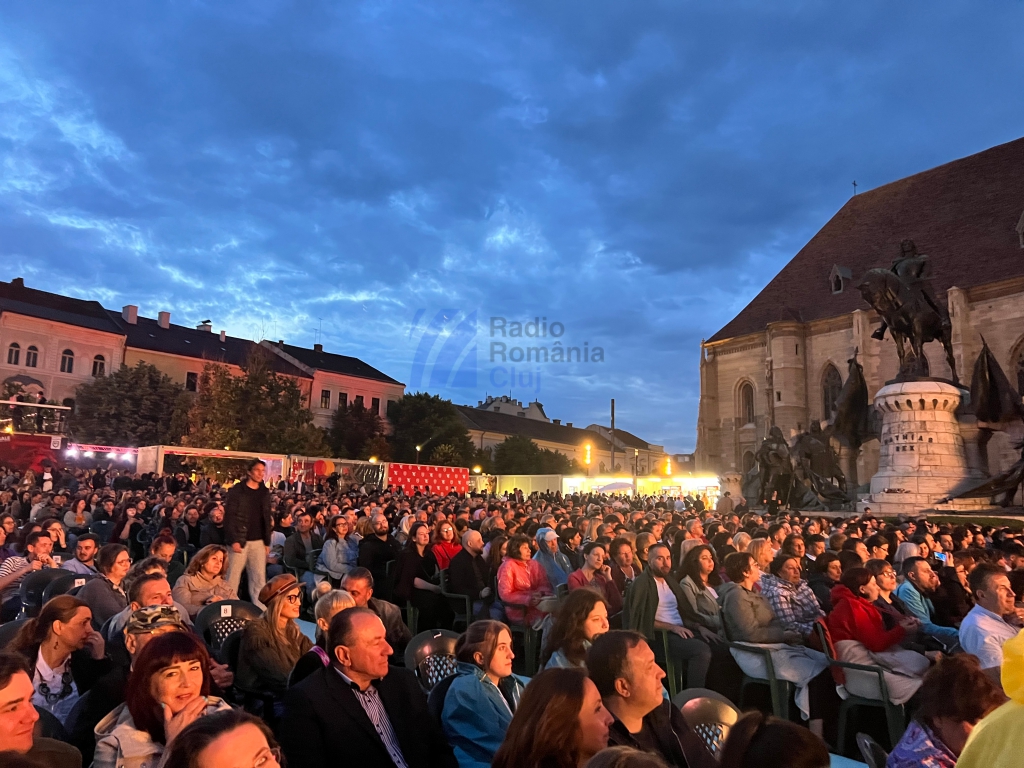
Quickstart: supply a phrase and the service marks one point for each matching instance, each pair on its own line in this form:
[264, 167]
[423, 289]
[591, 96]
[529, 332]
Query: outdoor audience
[601, 695]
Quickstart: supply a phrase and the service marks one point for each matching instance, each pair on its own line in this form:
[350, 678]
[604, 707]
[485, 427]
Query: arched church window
[831, 384]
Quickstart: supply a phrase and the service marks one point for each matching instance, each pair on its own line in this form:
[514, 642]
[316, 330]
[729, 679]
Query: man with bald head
[469, 574]
[360, 707]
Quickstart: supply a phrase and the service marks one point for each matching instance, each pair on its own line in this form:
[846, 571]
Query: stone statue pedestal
[921, 451]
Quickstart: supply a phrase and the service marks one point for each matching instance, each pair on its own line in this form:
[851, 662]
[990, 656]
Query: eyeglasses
[890, 574]
[263, 758]
[293, 598]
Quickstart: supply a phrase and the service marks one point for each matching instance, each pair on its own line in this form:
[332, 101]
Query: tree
[445, 455]
[378, 447]
[353, 427]
[518, 455]
[428, 421]
[132, 406]
[257, 411]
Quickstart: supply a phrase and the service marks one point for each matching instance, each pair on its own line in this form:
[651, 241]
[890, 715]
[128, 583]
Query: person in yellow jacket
[997, 741]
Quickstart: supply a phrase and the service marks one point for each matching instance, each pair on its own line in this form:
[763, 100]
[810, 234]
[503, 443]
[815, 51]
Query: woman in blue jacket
[481, 701]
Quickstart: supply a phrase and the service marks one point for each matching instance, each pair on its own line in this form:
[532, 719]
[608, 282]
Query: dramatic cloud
[634, 171]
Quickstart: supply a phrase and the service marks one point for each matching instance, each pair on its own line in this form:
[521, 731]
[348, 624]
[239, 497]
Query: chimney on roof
[130, 313]
[280, 342]
[206, 325]
[556, 421]
[318, 347]
[223, 336]
[163, 319]
[18, 282]
[568, 424]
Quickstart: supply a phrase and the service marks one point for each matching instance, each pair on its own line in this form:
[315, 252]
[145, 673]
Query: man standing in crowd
[375, 552]
[469, 574]
[18, 718]
[652, 603]
[360, 707]
[83, 563]
[919, 583]
[359, 583]
[623, 667]
[247, 527]
[984, 630]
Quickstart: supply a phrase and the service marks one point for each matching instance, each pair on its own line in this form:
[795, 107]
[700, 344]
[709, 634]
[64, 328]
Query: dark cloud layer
[636, 171]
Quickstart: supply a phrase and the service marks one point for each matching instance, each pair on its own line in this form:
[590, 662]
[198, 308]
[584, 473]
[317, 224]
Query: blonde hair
[741, 541]
[756, 547]
[286, 641]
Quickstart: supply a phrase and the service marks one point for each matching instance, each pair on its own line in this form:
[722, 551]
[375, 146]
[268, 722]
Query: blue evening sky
[391, 172]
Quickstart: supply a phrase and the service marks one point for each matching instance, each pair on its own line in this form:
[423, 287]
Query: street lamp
[373, 459]
[668, 465]
[477, 469]
[586, 457]
[418, 448]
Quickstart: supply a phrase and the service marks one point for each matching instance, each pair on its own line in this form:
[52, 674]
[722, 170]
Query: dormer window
[838, 278]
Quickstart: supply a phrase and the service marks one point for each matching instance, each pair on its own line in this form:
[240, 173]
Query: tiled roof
[963, 215]
[506, 424]
[202, 345]
[624, 437]
[328, 361]
[16, 298]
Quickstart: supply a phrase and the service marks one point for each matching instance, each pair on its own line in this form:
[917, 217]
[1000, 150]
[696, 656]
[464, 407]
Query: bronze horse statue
[910, 316]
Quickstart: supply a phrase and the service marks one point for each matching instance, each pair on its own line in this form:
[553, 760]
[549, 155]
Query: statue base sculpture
[921, 458]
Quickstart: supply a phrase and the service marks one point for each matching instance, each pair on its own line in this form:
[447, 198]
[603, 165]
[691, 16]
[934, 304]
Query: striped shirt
[372, 705]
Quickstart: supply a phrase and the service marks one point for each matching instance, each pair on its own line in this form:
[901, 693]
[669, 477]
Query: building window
[67, 361]
[747, 403]
[778, 397]
[31, 357]
[99, 366]
[391, 407]
[343, 399]
[831, 384]
[325, 398]
[192, 382]
[358, 401]
[13, 354]
[375, 405]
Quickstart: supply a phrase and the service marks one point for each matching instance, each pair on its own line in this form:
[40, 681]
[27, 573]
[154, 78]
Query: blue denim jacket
[476, 715]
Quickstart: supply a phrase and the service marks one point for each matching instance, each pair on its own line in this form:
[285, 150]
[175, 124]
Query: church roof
[963, 215]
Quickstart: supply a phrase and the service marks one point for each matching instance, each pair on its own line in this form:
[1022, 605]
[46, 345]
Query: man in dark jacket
[375, 552]
[359, 707]
[247, 528]
[470, 575]
[299, 545]
[622, 666]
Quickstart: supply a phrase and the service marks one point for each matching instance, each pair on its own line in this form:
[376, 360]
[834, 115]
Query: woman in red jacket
[860, 637]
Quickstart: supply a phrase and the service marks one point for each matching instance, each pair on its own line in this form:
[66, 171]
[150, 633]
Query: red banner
[441, 480]
[21, 452]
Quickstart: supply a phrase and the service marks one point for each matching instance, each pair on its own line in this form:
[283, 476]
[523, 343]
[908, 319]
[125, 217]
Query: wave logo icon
[446, 356]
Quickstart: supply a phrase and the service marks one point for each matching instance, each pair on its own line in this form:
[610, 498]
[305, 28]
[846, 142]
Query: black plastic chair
[872, 751]
[711, 719]
[431, 655]
[219, 620]
[33, 586]
[435, 699]
[259, 703]
[9, 630]
[461, 605]
[65, 584]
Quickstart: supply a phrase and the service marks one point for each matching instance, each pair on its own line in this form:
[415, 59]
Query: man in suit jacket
[360, 708]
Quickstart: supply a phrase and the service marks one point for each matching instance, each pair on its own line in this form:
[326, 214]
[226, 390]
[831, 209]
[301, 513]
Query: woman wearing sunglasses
[273, 643]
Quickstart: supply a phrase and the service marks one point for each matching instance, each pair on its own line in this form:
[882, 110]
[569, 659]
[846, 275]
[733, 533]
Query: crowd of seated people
[333, 577]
